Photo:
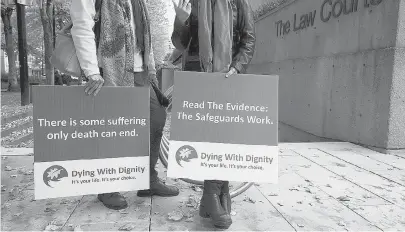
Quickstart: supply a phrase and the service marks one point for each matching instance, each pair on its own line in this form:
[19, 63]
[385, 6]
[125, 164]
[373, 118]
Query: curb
[17, 151]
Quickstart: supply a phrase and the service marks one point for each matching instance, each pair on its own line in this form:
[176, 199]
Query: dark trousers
[157, 123]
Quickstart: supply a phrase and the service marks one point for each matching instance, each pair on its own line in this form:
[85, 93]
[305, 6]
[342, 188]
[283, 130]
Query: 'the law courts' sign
[328, 10]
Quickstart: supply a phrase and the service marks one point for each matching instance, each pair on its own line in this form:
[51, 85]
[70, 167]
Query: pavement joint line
[150, 214]
[345, 178]
[282, 215]
[327, 153]
[22, 189]
[340, 202]
[364, 155]
[70, 215]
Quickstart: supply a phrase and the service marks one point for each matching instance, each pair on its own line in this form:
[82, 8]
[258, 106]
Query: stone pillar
[342, 68]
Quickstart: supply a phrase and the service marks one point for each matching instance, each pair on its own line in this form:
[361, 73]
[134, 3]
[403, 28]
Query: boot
[158, 188]
[210, 206]
[113, 200]
[225, 197]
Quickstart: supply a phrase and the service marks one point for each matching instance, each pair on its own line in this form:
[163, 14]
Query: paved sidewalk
[322, 186]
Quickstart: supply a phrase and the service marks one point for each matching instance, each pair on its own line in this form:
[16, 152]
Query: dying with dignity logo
[185, 154]
[54, 175]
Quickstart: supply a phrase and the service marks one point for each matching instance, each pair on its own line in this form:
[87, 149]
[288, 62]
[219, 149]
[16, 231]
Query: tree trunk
[59, 25]
[8, 34]
[47, 25]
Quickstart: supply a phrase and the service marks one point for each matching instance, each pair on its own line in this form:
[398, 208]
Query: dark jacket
[243, 34]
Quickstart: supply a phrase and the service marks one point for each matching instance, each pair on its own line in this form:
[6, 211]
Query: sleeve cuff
[238, 67]
[88, 73]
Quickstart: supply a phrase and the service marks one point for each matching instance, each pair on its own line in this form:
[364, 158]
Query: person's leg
[157, 123]
[225, 197]
[210, 206]
[213, 200]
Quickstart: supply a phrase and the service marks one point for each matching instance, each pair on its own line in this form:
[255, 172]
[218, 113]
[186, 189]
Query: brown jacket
[243, 34]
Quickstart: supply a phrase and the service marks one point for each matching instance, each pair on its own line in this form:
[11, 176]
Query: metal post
[22, 50]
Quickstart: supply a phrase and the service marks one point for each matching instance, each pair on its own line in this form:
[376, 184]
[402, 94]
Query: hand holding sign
[94, 84]
[231, 72]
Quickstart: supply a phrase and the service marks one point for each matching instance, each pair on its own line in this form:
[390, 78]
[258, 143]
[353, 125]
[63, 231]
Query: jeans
[157, 123]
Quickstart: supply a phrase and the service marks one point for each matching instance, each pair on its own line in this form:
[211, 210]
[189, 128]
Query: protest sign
[89, 145]
[224, 128]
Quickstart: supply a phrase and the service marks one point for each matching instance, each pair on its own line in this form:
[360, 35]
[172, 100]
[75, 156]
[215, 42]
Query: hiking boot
[159, 188]
[210, 205]
[113, 200]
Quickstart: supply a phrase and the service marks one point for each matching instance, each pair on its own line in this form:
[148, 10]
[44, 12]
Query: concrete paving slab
[17, 175]
[386, 217]
[173, 214]
[247, 216]
[251, 212]
[91, 213]
[385, 170]
[333, 185]
[355, 151]
[306, 198]
[380, 186]
[25, 214]
[113, 226]
[255, 213]
[309, 208]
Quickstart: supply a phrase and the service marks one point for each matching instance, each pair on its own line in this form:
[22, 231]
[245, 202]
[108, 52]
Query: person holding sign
[215, 36]
[119, 53]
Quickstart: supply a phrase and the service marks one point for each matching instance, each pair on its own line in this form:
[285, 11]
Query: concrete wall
[343, 78]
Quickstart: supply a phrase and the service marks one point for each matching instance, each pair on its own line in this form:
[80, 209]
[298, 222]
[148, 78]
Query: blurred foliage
[267, 7]
[34, 28]
[158, 11]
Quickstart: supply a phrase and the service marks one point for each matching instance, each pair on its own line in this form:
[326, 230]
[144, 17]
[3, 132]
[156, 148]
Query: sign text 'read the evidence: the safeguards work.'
[221, 107]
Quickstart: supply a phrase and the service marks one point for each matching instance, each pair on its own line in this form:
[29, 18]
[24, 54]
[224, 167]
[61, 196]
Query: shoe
[210, 206]
[158, 188]
[225, 198]
[113, 200]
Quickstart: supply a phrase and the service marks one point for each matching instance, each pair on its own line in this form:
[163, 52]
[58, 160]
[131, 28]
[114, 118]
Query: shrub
[267, 7]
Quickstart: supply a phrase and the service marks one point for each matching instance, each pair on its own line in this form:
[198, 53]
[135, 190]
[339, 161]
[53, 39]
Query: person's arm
[247, 39]
[152, 67]
[181, 31]
[82, 13]
[181, 34]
